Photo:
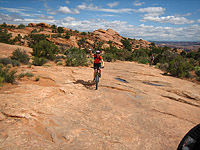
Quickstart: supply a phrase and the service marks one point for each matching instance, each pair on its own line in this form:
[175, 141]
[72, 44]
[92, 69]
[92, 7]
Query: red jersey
[97, 60]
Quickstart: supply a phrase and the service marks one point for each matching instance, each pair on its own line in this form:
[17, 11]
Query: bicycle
[97, 77]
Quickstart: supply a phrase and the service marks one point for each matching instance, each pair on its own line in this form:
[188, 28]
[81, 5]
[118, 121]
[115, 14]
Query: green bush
[179, 67]
[60, 30]
[15, 63]
[6, 75]
[21, 26]
[197, 73]
[7, 61]
[39, 61]
[109, 57]
[21, 56]
[76, 57]
[5, 36]
[143, 60]
[127, 44]
[45, 49]
[36, 38]
[83, 33]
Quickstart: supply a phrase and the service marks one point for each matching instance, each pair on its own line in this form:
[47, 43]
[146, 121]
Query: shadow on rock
[88, 84]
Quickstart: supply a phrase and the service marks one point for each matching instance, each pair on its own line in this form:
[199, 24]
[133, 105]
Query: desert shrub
[28, 74]
[67, 35]
[179, 67]
[83, 33]
[124, 55]
[21, 56]
[5, 61]
[15, 62]
[81, 43]
[21, 26]
[164, 67]
[34, 31]
[109, 57]
[5, 36]
[143, 60]
[60, 30]
[39, 61]
[45, 49]
[76, 57]
[127, 45]
[8, 61]
[36, 38]
[197, 73]
[7, 75]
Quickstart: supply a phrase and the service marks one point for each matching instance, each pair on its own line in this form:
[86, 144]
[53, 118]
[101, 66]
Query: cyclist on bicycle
[97, 62]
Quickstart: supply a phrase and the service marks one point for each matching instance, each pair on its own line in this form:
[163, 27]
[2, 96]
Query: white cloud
[82, 7]
[67, 2]
[46, 17]
[66, 10]
[168, 19]
[26, 21]
[198, 20]
[92, 7]
[111, 5]
[183, 15]
[137, 3]
[69, 19]
[152, 11]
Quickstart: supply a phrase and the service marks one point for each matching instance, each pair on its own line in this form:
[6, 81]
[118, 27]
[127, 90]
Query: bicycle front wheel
[97, 81]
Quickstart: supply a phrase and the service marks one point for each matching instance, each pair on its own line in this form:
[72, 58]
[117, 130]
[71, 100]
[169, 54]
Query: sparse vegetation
[45, 49]
[83, 33]
[8, 61]
[127, 44]
[36, 38]
[5, 36]
[60, 30]
[20, 56]
[21, 26]
[76, 57]
[39, 61]
[6, 75]
[28, 74]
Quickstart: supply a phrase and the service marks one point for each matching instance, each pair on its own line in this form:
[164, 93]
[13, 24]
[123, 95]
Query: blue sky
[159, 20]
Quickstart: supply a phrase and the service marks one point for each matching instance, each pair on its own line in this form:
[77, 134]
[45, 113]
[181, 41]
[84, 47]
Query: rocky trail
[63, 111]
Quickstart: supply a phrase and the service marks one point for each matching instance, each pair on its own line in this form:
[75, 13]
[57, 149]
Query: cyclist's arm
[102, 63]
[91, 53]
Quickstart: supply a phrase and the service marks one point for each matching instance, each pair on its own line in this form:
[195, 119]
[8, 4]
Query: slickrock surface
[63, 111]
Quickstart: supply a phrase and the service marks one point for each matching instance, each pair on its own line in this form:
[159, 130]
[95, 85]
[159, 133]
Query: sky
[151, 20]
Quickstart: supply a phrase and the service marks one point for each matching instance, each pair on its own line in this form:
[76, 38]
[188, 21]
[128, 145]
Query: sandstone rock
[45, 25]
[32, 25]
[68, 113]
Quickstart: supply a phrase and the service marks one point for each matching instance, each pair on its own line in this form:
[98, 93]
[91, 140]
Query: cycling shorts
[97, 65]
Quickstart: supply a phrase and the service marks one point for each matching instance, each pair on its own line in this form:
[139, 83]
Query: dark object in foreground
[191, 141]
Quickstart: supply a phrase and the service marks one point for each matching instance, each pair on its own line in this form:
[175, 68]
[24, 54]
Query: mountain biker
[97, 62]
[151, 60]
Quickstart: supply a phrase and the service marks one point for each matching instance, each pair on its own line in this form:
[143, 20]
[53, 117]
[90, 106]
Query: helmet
[98, 52]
